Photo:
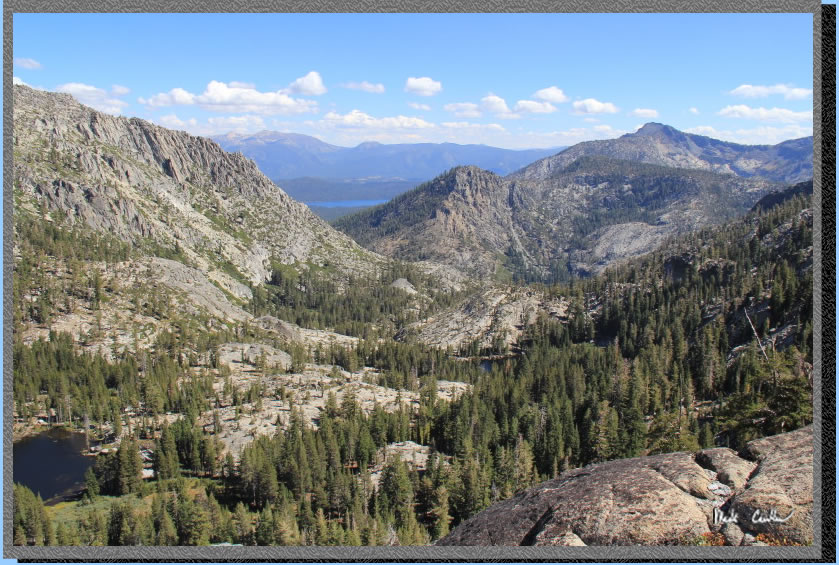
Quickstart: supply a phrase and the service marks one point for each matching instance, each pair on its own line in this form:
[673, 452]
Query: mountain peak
[655, 128]
[368, 145]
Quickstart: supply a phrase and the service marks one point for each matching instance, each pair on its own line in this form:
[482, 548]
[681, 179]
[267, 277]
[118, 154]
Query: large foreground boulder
[662, 500]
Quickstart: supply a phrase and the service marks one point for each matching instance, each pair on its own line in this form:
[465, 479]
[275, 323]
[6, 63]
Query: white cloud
[592, 106]
[495, 104]
[756, 91]
[215, 125]
[94, 97]
[591, 120]
[119, 90]
[463, 109]
[171, 98]
[533, 107]
[693, 110]
[25, 63]
[17, 80]
[424, 86]
[236, 123]
[222, 97]
[572, 136]
[498, 106]
[309, 85]
[172, 121]
[238, 84]
[765, 114]
[763, 135]
[358, 119]
[644, 113]
[551, 94]
[469, 125]
[377, 88]
[418, 106]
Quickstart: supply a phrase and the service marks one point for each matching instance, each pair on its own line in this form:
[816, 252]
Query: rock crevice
[668, 499]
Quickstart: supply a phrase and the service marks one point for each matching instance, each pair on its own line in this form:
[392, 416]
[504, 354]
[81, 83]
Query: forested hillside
[657, 355]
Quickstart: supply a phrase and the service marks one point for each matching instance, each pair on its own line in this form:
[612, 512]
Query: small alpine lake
[51, 463]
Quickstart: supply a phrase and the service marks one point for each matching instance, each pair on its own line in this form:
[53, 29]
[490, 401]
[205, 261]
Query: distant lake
[51, 463]
[346, 203]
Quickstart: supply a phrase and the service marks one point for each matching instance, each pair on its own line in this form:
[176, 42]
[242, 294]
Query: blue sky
[509, 80]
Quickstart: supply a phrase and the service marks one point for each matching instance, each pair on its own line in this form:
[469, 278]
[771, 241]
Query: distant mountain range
[292, 155]
[578, 211]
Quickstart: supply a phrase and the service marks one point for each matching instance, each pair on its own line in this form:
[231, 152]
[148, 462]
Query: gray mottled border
[404, 553]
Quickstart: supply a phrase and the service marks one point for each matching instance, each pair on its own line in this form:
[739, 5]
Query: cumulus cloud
[495, 104]
[765, 114]
[25, 63]
[236, 123]
[423, 86]
[572, 135]
[592, 106]
[604, 131]
[96, 98]
[644, 113]
[533, 107]
[222, 97]
[551, 94]
[498, 106]
[418, 106]
[365, 86]
[215, 125]
[172, 121]
[171, 98]
[17, 80]
[309, 85]
[359, 119]
[763, 135]
[119, 90]
[470, 125]
[463, 109]
[788, 91]
[693, 110]
[238, 84]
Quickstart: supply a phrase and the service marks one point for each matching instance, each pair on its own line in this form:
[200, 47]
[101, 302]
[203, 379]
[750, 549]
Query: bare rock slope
[662, 500]
[151, 186]
[595, 211]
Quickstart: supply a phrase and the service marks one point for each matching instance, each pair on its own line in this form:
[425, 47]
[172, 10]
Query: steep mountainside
[790, 161]
[160, 189]
[289, 155]
[595, 211]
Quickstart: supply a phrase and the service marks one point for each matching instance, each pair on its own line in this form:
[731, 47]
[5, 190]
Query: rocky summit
[676, 498]
[658, 144]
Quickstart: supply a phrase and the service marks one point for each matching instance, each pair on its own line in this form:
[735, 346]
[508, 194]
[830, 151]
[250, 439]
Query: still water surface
[346, 203]
[51, 463]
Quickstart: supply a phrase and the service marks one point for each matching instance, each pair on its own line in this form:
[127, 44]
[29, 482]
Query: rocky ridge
[676, 498]
[658, 144]
[595, 212]
[149, 185]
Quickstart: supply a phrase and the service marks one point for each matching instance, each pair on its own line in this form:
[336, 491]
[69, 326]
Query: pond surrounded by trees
[51, 463]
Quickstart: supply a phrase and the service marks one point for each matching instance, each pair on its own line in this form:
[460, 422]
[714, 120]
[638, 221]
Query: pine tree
[91, 485]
